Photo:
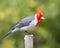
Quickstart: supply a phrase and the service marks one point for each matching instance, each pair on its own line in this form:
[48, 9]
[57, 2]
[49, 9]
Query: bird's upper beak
[43, 18]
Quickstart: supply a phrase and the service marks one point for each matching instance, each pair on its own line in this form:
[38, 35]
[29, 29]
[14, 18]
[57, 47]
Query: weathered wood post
[28, 41]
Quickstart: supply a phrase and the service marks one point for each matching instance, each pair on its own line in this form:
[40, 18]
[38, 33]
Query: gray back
[24, 22]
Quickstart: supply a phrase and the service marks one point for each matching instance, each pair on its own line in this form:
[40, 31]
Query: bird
[27, 23]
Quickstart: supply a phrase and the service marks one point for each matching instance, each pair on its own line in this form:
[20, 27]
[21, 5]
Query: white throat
[36, 18]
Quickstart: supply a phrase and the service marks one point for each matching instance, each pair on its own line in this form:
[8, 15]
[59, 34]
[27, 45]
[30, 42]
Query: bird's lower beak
[43, 18]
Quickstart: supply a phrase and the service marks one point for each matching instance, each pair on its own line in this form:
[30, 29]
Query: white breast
[30, 26]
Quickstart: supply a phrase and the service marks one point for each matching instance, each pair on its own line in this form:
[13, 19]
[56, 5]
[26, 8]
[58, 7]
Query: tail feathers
[6, 35]
[10, 32]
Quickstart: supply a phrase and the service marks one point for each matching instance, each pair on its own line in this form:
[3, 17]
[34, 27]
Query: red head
[40, 13]
[39, 16]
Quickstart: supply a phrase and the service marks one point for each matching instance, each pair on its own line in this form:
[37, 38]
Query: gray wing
[24, 22]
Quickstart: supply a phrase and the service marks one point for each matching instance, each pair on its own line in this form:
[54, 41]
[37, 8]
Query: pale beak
[43, 18]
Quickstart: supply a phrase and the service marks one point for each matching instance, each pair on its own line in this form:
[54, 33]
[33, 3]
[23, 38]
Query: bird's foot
[27, 33]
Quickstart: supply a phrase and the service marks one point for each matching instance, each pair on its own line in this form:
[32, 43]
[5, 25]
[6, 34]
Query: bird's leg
[27, 33]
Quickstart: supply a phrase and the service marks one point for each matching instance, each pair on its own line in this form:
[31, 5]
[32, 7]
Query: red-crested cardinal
[27, 23]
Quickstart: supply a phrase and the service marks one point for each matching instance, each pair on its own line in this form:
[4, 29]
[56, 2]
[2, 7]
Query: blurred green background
[46, 35]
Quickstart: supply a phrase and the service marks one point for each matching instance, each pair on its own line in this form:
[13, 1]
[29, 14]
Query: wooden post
[28, 41]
